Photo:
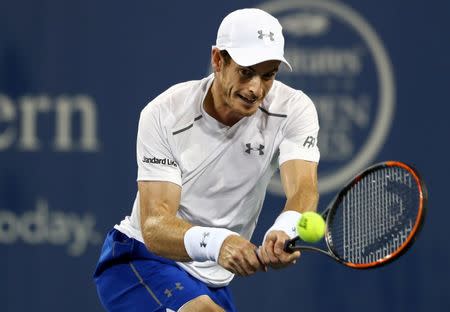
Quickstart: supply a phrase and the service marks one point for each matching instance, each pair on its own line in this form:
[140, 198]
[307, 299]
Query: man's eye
[245, 72]
[269, 76]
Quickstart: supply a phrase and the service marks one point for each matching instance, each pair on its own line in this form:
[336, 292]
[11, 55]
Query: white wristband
[204, 243]
[287, 222]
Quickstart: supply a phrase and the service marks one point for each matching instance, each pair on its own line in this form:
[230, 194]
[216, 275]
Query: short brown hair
[226, 56]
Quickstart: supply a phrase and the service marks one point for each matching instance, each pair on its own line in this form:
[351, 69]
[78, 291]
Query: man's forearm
[303, 201]
[164, 236]
[173, 238]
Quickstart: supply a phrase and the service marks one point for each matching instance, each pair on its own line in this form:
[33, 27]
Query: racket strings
[376, 216]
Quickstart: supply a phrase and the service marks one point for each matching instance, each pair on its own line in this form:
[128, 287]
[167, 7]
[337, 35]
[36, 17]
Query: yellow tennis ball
[311, 227]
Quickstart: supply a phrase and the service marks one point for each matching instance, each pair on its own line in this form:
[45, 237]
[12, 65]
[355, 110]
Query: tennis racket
[375, 218]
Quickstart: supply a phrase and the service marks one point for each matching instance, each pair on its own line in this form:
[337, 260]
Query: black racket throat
[291, 246]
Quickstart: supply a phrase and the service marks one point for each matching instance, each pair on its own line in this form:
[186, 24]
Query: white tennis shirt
[223, 171]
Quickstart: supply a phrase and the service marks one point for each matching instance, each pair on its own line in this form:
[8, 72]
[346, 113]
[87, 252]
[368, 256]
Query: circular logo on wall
[340, 62]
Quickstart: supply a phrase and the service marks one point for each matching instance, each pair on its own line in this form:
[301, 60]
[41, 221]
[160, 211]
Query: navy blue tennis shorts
[130, 278]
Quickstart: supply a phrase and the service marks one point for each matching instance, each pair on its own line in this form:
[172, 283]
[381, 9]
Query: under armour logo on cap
[261, 35]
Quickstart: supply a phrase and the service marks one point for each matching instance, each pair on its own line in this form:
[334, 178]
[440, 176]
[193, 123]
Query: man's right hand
[272, 251]
[238, 256]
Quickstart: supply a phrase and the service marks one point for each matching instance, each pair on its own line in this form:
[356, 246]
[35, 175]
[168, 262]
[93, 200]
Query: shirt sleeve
[154, 156]
[301, 132]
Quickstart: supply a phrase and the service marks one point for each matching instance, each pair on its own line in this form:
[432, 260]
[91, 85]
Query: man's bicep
[157, 198]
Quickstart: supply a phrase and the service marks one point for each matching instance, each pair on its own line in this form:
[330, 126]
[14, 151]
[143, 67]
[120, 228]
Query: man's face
[243, 89]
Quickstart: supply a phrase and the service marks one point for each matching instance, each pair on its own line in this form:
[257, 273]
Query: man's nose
[255, 86]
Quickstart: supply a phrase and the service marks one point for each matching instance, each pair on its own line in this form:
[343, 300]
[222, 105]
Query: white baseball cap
[251, 36]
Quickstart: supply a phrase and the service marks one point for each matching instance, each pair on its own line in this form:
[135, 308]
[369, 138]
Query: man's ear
[216, 60]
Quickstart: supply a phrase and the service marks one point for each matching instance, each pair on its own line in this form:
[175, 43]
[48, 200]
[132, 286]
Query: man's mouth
[248, 100]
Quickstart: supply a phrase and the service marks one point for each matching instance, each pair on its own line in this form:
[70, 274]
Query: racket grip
[290, 243]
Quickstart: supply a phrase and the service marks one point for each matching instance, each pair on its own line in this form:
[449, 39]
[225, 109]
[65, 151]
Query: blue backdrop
[74, 76]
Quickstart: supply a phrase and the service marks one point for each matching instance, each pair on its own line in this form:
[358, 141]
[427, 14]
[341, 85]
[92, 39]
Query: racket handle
[290, 243]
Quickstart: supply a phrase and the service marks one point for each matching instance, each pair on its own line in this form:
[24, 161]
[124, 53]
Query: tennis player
[206, 151]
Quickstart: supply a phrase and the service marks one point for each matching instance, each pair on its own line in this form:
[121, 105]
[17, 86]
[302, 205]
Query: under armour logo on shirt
[261, 35]
[250, 149]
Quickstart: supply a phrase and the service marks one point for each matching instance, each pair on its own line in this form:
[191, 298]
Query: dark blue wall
[74, 76]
